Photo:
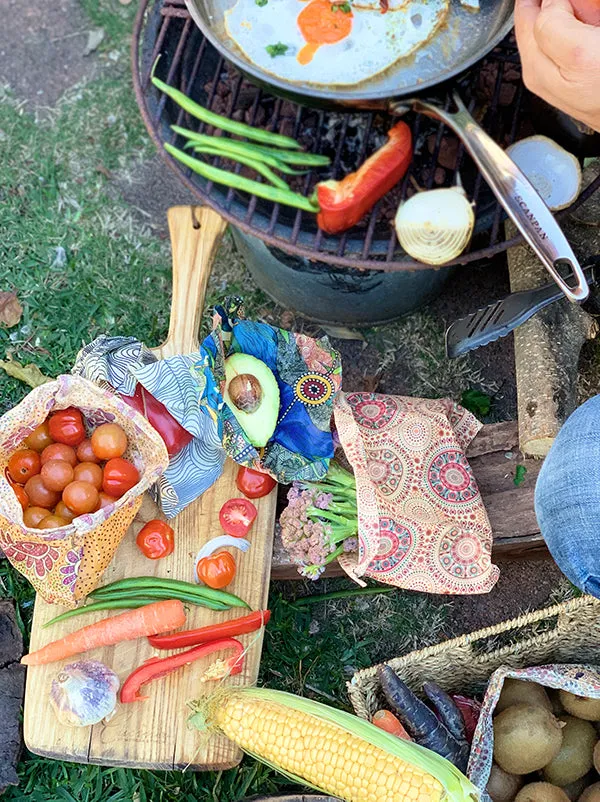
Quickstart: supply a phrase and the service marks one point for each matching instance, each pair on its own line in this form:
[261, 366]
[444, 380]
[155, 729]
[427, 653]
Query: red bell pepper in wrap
[343, 203]
[171, 431]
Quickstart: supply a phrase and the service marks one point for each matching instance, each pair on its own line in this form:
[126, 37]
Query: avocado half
[252, 394]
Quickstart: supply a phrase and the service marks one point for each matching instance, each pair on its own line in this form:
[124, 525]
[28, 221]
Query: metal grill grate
[492, 89]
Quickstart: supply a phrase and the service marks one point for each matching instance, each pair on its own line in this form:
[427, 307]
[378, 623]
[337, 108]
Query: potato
[518, 691]
[591, 794]
[575, 758]
[526, 738]
[502, 787]
[580, 706]
[541, 792]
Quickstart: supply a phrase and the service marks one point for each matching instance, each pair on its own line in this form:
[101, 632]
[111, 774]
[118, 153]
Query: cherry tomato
[85, 452]
[109, 441]
[39, 437]
[216, 571]
[40, 495]
[155, 539]
[237, 516]
[106, 500]
[66, 426]
[59, 451]
[119, 477]
[254, 484]
[52, 522]
[81, 497]
[21, 495]
[89, 472]
[23, 465]
[63, 511]
[56, 474]
[33, 515]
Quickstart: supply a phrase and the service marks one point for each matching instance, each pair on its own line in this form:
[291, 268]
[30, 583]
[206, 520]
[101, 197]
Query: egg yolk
[321, 23]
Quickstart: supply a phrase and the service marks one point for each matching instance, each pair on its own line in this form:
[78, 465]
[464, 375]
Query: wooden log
[12, 683]
[548, 346]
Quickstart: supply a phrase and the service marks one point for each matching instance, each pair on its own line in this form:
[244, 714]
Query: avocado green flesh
[260, 424]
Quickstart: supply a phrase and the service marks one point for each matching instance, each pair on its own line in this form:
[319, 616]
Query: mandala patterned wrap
[577, 679]
[122, 362]
[309, 376]
[65, 564]
[422, 523]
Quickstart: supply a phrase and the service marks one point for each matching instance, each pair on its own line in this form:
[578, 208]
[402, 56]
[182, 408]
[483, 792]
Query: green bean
[155, 583]
[123, 604]
[284, 196]
[260, 167]
[224, 123]
[233, 146]
[162, 594]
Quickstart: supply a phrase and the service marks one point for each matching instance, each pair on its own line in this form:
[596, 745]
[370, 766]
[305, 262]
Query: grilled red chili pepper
[254, 484]
[171, 431]
[155, 539]
[157, 667]
[343, 203]
[229, 629]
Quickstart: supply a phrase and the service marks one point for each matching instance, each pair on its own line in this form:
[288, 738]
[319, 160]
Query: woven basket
[565, 633]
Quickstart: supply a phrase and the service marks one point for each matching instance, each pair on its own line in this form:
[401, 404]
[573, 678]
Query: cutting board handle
[196, 233]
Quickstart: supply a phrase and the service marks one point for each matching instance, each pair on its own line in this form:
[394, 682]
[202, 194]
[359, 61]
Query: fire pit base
[328, 294]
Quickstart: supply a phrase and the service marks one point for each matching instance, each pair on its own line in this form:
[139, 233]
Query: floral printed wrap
[309, 375]
[421, 521]
[65, 564]
[577, 679]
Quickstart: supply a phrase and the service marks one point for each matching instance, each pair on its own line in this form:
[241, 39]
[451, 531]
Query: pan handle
[516, 194]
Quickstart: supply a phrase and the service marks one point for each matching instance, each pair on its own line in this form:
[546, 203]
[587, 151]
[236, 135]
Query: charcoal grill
[493, 90]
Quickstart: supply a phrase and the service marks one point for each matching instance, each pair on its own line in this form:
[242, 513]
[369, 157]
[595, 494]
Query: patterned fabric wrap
[121, 362]
[65, 564]
[309, 375]
[422, 523]
[577, 679]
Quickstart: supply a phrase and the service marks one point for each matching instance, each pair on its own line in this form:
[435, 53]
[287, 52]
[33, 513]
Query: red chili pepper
[155, 539]
[229, 629]
[343, 203]
[254, 484]
[171, 431]
[157, 667]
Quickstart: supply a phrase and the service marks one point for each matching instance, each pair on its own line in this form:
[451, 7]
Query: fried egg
[317, 42]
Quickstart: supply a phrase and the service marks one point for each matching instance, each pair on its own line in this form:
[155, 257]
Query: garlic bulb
[84, 693]
[553, 171]
[435, 226]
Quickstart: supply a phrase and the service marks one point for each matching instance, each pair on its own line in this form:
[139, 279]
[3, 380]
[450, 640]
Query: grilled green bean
[260, 167]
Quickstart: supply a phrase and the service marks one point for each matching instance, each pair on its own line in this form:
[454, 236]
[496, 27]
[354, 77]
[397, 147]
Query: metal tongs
[514, 191]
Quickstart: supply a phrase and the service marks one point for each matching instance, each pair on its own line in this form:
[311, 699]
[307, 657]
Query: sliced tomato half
[237, 516]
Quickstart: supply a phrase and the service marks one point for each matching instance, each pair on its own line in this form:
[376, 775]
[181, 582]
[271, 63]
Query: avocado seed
[245, 392]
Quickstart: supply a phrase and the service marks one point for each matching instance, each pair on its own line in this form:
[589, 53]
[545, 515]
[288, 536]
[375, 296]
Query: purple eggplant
[421, 723]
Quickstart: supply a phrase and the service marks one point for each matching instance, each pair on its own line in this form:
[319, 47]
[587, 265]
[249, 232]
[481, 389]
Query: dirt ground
[50, 60]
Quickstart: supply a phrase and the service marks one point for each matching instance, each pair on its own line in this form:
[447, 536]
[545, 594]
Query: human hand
[560, 57]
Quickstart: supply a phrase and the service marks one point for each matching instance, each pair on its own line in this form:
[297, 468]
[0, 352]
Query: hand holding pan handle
[514, 191]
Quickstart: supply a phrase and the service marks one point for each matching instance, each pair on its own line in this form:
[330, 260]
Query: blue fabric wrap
[567, 498]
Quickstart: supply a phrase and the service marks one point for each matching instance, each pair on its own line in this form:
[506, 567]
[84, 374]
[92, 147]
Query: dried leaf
[10, 309]
[30, 374]
[342, 333]
[94, 41]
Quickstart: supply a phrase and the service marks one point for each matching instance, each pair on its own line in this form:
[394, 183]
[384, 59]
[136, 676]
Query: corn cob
[330, 750]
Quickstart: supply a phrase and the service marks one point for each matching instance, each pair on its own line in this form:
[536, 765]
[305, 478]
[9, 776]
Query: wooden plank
[493, 455]
[154, 734]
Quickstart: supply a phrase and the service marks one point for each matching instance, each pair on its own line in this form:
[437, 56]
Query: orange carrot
[387, 721]
[159, 617]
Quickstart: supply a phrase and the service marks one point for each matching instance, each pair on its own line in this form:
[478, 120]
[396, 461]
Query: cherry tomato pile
[60, 473]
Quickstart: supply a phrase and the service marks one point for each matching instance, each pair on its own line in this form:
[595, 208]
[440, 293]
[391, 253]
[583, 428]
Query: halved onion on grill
[435, 226]
[553, 171]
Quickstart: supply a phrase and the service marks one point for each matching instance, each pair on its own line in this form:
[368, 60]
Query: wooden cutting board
[153, 734]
